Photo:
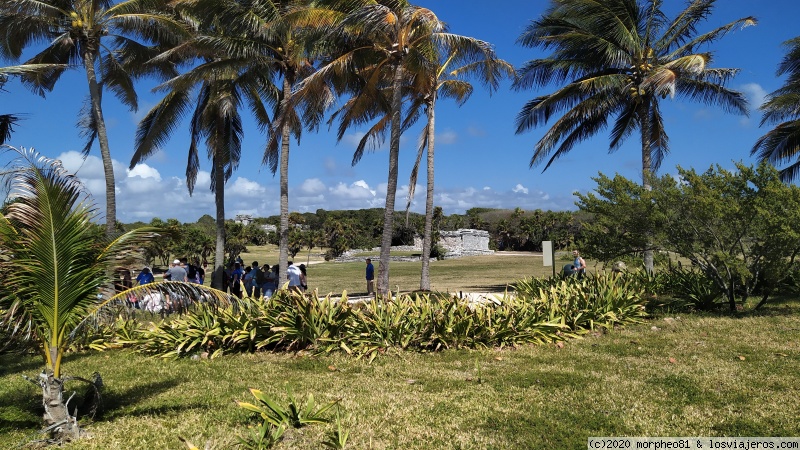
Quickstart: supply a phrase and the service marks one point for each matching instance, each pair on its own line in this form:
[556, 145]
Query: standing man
[258, 279]
[579, 263]
[370, 277]
[294, 274]
[176, 272]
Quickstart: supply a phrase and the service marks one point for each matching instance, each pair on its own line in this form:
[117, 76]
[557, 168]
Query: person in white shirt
[294, 274]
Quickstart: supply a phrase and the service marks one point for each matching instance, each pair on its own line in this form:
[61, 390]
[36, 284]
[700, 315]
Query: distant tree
[256, 235]
[739, 228]
[235, 241]
[194, 243]
[296, 240]
[311, 238]
[782, 143]
[621, 213]
[336, 237]
[619, 59]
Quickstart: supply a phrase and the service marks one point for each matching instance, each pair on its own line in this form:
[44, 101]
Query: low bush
[595, 301]
[540, 312]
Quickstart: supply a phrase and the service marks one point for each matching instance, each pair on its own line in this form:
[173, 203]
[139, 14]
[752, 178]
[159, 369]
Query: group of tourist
[182, 270]
[253, 281]
[256, 281]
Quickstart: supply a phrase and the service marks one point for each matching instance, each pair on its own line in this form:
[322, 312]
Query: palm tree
[87, 33]
[471, 58]
[379, 41]
[619, 58]
[287, 35]
[54, 263]
[217, 87]
[782, 143]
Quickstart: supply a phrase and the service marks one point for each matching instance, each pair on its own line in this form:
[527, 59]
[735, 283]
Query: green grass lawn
[697, 375]
[469, 274]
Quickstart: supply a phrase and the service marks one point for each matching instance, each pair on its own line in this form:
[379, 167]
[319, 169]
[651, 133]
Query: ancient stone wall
[465, 242]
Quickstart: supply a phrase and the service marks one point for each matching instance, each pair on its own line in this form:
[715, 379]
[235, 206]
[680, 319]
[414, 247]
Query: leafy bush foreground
[539, 312]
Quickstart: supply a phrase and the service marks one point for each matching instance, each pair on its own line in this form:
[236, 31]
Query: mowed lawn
[691, 375]
[469, 274]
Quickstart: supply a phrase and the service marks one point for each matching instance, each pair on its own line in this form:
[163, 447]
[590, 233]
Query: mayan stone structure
[465, 242]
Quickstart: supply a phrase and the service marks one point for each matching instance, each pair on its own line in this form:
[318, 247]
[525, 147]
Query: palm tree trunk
[283, 255]
[647, 169]
[56, 416]
[219, 201]
[102, 136]
[425, 279]
[391, 188]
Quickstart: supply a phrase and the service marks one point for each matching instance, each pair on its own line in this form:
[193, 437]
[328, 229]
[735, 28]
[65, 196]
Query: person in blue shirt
[237, 275]
[370, 277]
[145, 277]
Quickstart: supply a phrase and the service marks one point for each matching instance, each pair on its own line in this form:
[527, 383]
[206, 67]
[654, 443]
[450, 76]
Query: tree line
[332, 233]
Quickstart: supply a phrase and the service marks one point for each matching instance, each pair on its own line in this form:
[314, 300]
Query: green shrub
[276, 419]
[541, 311]
[602, 300]
[696, 289]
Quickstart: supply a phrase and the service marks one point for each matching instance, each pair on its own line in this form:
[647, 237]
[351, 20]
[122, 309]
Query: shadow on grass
[120, 402]
[554, 428]
[11, 364]
[20, 410]
[22, 364]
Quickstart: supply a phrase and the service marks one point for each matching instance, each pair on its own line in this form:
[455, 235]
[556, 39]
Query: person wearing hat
[144, 277]
[176, 272]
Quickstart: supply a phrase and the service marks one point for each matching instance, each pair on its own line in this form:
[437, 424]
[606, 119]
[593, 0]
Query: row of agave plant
[539, 311]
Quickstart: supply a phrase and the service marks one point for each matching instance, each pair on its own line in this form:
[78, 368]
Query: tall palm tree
[87, 33]
[619, 58]
[288, 32]
[257, 50]
[782, 143]
[54, 262]
[379, 41]
[466, 57]
[217, 88]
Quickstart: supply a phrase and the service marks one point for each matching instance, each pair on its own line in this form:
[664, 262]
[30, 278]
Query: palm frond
[159, 123]
[7, 122]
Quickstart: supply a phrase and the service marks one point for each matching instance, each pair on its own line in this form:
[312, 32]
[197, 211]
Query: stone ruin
[459, 243]
[462, 242]
[243, 219]
[465, 242]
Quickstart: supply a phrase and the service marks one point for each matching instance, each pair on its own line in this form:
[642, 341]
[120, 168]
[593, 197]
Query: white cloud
[144, 171]
[755, 95]
[448, 137]
[247, 188]
[358, 190]
[89, 168]
[476, 131]
[312, 186]
[143, 193]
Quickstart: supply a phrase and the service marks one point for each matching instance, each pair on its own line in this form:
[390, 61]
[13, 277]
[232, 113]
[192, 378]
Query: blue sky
[480, 161]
